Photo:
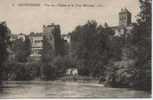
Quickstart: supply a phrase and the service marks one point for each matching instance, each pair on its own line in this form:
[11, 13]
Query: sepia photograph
[75, 49]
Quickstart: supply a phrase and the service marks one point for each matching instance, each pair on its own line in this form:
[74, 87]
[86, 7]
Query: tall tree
[4, 41]
[48, 53]
[134, 67]
[90, 44]
[83, 44]
[142, 40]
[27, 47]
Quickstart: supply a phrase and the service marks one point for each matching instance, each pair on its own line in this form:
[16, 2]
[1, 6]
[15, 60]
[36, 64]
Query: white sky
[30, 19]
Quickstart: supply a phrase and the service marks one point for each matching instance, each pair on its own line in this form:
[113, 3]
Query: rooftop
[35, 34]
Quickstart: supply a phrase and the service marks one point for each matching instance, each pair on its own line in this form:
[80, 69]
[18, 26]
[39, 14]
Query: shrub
[120, 74]
[62, 63]
[21, 71]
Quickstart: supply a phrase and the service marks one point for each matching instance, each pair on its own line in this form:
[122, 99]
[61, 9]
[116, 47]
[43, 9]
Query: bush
[21, 71]
[143, 79]
[34, 69]
[62, 63]
[57, 67]
[48, 72]
[120, 74]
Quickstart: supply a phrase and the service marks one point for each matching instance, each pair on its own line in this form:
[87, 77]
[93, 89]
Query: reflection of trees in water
[63, 89]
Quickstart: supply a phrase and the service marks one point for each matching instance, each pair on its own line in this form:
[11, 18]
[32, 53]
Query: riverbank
[7, 83]
[61, 89]
[88, 82]
[83, 79]
[49, 81]
[69, 79]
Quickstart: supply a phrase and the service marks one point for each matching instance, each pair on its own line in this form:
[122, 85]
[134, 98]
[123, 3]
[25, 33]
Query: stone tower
[124, 17]
[53, 35]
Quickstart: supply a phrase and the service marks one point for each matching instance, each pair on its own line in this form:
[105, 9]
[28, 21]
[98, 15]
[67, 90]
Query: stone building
[36, 44]
[51, 33]
[124, 17]
[125, 23]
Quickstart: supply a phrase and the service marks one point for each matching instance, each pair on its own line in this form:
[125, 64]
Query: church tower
[124, 17]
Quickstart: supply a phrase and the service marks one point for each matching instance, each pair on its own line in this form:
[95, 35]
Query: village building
[36, 45]
[51, 33]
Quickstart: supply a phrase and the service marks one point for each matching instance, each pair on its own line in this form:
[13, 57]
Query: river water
[53, 89]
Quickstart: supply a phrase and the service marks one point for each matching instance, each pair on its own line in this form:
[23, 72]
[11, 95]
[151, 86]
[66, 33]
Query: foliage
[22, 49]
[57, 67]
[4, 41]
[48, 51]
[62, 63]
[90, 44]
[142, 39]
[21, 71]
[137, 49]
[52, 59]
[121, 73]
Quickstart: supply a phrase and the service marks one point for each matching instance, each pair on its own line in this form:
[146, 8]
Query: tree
[134, 67]
[90, 44]
[48, 53]
[83, 45]
[22, 49]
[27, 47]
[4, 42]
[142, 40]
[18, 50]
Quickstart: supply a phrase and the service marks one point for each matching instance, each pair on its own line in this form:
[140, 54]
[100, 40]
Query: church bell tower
[124, 17]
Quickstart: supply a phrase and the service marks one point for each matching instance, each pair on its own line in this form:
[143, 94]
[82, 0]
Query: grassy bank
[79, 79]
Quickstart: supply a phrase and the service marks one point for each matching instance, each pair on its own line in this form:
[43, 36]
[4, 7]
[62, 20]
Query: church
[125, 24]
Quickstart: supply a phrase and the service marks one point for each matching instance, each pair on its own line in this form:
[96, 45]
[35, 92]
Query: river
[56, 89]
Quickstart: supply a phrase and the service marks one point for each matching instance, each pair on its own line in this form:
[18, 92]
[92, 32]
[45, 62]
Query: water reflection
[63, 89]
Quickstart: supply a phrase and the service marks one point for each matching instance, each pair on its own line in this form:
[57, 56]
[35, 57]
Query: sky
[26, 19]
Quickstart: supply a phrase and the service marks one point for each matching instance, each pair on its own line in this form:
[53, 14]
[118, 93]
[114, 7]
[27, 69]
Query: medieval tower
[52, 34]
[124, 17]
